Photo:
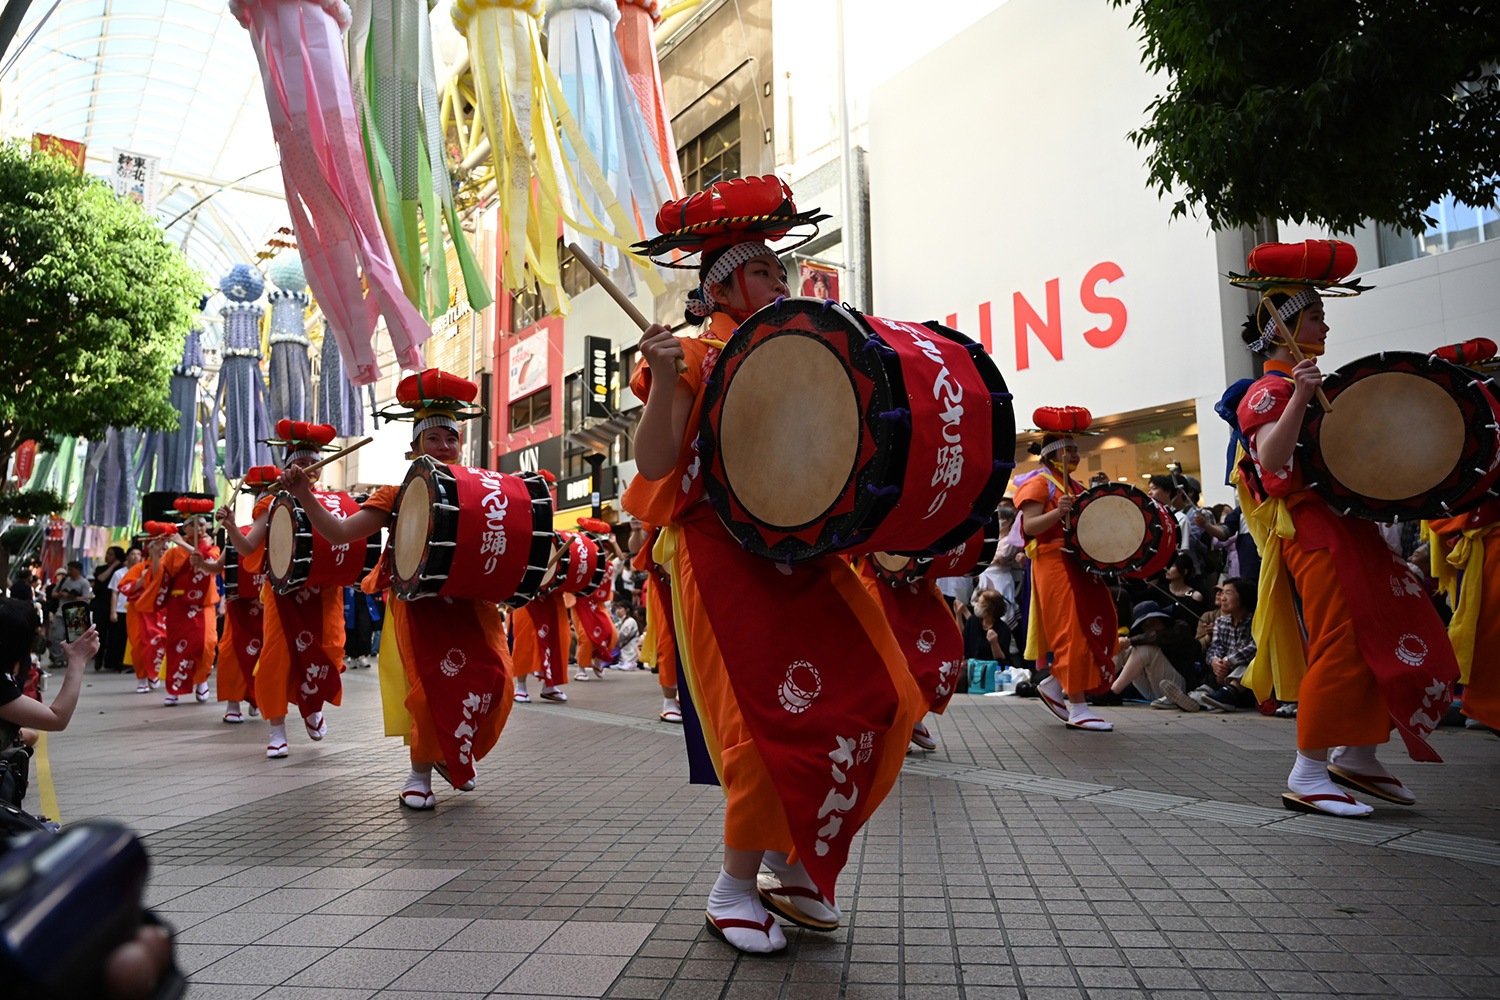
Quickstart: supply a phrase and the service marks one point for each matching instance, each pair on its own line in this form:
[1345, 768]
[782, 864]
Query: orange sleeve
[263, 504]
[384, 498]
[658, 501]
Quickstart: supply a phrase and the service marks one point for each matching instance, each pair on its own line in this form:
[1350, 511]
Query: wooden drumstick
[621, 299]
[1298, 356]
[310, 469]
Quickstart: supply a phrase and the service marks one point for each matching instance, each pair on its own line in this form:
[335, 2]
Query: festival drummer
[444, 662]
[244, 621]
[1375, 654]
[302, 651]
[1072, 613]
[792, 803]
[183, 589]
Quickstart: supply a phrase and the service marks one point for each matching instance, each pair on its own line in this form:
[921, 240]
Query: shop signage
[534, 457]
[599, 365]
[579, 489]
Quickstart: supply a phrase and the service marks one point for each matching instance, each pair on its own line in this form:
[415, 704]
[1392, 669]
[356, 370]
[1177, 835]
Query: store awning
[567, 520]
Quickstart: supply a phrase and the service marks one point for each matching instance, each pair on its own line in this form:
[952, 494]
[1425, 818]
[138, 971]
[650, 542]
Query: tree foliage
[94, 305]
[1329, 112]
[31, 504]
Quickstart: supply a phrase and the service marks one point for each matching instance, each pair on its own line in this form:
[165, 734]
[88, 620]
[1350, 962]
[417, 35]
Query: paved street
[1019, 860]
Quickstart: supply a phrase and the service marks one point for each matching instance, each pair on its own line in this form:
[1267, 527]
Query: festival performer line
[140, 624]
[592, 626]
[302, 652]
[186, 594]
[540, 638]
[792, 802]
[1362, 610]
[244, 619]
[1072, 613]
[450, 721]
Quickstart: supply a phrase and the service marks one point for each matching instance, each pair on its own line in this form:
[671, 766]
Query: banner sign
[598, 372]
[136, 178]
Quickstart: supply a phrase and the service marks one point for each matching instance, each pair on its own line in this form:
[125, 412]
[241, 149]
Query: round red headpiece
[1470, 352]
[595, 525]
[433, 388]
[294, 432]
[1309, 261]
[190, 506]
[726, 213]
[1062, 419]
[261, 476]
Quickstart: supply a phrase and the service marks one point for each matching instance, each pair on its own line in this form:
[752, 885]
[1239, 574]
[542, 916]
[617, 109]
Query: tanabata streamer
[392, 69]
[581, 50]
[520, 99]
[636, 37]
[328, 190]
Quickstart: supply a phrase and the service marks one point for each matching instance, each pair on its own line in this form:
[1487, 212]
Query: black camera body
[66, 901]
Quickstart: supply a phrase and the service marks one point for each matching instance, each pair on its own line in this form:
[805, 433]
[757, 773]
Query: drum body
[470, 534]
[231, 571]
[966, 559]
[297, 556]
[1171, 538]
[585, 567]
[1409, 436]
[1117, 530]
[825, 430]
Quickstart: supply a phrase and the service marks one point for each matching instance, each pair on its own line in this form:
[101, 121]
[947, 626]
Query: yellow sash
[1280, 656]
[393, 685]
[1466, 561]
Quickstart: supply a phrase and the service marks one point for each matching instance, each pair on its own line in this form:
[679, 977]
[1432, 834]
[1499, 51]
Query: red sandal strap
[1329, 797]
[749, 925]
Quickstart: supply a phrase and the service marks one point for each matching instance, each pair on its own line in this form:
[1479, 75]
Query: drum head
[790, 433]
[413, 526]
[281, 540]
[891, 562]
[1392, 435]
[1111, 529]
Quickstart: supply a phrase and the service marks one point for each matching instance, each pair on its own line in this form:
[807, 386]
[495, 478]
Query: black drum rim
[301, 546]
[1455, 495]
[541, 540]
[1151, 541]
[436, 560]
[828, 319]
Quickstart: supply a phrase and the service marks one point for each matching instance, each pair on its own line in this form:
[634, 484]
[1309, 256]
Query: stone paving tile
[592, 879]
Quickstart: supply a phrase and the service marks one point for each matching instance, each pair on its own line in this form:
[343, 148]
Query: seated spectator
[18, 713]
[1231, 647]
[1158, 656]
[1179, 583]
[986, 636]
[628, 631]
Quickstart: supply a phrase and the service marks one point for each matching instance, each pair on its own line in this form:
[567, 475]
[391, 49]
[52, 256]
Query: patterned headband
[734, 257]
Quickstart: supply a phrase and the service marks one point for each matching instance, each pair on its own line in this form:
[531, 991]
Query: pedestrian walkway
[1020, 860]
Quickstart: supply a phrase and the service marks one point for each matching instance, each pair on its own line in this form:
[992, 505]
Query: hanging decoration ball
[243, 283]
[286, 273]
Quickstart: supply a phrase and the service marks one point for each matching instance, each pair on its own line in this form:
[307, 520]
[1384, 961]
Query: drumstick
[621, 299]
[310, 469]
[1299, 357]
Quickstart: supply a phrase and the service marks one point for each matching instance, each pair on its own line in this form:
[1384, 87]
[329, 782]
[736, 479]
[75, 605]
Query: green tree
[1329, 112]
[94, 306]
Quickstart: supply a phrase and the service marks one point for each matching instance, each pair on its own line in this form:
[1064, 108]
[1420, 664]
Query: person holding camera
[18, 629]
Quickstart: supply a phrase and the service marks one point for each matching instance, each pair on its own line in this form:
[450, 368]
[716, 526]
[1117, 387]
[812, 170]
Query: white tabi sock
[1361, 761]
[737, 899]
[1080, 714]
[1310, 777]
[669, 705]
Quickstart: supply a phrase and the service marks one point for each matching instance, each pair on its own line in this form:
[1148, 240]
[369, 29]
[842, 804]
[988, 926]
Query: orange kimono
[143, 627]
[187, 596]
[802, 691]
[455, 666]
[540, 629]
[1072, 613]
[244, 631]
[1376, 653]
[302, 655]
[593, 627]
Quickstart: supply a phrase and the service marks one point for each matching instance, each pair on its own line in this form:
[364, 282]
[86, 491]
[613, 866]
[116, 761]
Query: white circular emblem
[926, 639]
[1411, 649]
[304, 640]
[1261, 401]
[195, 595]
[1097, 626]
[801, 687]
[453, 662]
[252, 647]
[181, 645]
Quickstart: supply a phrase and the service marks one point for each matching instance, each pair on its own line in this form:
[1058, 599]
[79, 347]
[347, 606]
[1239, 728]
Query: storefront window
[1454, 226]
[1132, 447]
[714, 155]
[534, 409]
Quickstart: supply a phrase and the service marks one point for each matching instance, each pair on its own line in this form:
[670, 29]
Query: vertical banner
[528, 365]
[599, 363]
[74, 151]
[137, 178]
[817, 281]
